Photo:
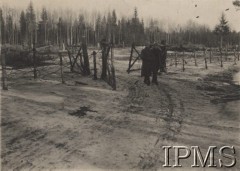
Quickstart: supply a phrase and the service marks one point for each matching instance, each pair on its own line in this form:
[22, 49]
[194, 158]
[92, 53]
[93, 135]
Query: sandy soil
[47, 125]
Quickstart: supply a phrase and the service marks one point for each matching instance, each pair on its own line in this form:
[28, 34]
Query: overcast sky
[177, 11]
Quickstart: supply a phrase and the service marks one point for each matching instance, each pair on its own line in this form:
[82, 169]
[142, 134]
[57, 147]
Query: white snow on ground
[120, 130]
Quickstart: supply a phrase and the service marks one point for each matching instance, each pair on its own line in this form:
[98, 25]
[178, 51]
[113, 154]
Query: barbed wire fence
[204, 58]
[59, 65]
[182, 60]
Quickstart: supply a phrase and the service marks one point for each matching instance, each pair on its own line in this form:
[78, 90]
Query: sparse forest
[57, 27]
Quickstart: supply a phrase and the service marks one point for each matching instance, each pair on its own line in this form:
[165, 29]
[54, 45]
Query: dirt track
[122, 129]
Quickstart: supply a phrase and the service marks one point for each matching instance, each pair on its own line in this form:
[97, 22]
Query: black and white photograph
[120, 85]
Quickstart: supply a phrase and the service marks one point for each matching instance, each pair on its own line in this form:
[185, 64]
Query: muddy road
[46, 125]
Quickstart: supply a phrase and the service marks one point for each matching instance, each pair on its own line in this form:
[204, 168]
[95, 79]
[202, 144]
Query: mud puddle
[81, 112]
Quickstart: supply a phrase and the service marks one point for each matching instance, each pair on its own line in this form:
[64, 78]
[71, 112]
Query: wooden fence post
[34, 62]
[205, 59]
[4, 74]
[221, 60]
[235, 57]
[61, 67]
[130, 59]
[183, 64]
[195, 58]
[3, 63]
[226, 54]
[175, 59]
[210, 59]
[238, 52]
[86, 60]
[114, 86]
[104, 61]
[94, 65]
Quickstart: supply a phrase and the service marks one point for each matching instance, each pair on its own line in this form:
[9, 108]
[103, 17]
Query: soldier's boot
[161, 69]
[165, 70]
[154, 79]
[147, 80]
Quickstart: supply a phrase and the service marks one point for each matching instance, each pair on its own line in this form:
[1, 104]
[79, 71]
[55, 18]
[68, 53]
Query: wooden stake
[4, 73]
[86, 60]
[95, 65]
[104, 61]
[61, 67]
[130, 59]
[2, 56]
[210, 59]
[204, 53]
[205, 62]
[183, 63]
[113, 69]
[221, 58]
[238, 52]
[34, 62]
[195, 59]
[175, 59]
[235, 57]
[226, 54]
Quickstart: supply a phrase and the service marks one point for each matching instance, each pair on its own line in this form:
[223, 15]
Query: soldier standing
[149, 64]
[157, 52]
